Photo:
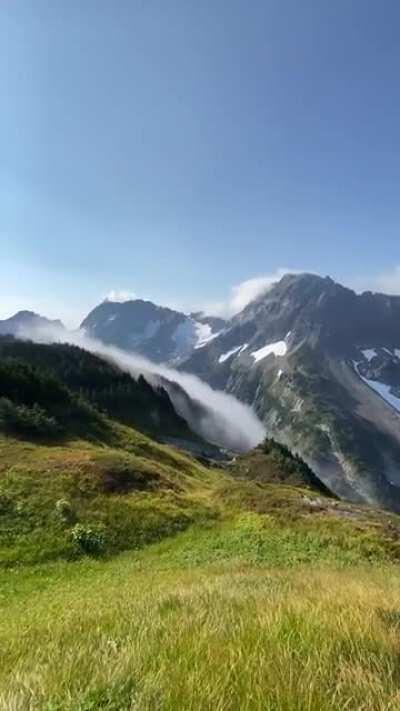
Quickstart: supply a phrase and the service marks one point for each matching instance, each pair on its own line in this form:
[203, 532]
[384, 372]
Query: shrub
[22, 419]
[65, 511]
[90, 539]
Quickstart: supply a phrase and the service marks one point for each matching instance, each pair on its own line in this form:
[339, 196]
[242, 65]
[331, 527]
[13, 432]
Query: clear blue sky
[175, 148]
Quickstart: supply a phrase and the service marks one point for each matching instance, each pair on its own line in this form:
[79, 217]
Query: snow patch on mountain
[381, 389]
[279, 348]
[384, 391]
[225, 356]
[369, 354]
[204, 334]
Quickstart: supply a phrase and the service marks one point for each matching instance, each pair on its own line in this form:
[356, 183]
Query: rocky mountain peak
[156, 332]
[23, 320]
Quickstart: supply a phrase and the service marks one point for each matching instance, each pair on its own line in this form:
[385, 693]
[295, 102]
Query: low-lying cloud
[224, 420]
[244, 293]
[120, 295]
[386, 282]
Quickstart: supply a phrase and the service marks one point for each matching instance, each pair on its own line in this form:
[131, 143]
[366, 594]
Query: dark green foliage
[89, 539]
[54, 372]
[34, 403]
[292, 465]
[30, 421]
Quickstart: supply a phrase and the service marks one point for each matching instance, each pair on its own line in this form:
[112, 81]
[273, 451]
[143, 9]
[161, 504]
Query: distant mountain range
[319, 364]
[23, 321]
[158, 333]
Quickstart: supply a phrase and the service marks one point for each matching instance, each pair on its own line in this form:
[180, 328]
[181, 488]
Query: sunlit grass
[114, 635]
[247, 598]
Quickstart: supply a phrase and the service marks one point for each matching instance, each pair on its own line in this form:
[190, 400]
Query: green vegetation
[34, 403]
[136, 490]
[132, 577]
[250, 596]
[274, 462]
[135, 633]
[68, 382]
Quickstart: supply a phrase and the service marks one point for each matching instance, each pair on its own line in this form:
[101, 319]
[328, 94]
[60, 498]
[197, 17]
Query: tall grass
[112, 635]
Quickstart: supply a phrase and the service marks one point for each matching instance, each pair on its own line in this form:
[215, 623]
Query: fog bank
[221, 419]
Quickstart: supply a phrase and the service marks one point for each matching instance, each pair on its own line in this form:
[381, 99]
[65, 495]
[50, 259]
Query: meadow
[208, 591]
[215, 618]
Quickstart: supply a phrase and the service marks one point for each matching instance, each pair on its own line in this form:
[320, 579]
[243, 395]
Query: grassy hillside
[230, 593]
[80, 497]
[129, 492]
[153, 582]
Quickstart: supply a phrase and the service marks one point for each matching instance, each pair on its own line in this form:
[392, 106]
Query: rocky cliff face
[321, 367]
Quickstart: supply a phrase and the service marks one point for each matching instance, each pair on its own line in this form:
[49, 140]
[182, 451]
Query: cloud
[244, 293]
[120, 295]
[223, 420]
[387, 282]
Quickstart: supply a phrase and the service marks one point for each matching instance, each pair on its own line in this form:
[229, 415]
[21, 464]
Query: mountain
[321, 367]
[156, 332]
[26, 320]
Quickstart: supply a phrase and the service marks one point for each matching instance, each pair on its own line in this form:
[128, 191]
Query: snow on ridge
[369, 354]
[204, 334]
[381, 389]
[279, 348]
[384, 391]
[229, 354]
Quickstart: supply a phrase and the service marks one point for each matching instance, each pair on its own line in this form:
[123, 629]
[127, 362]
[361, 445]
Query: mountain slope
[63, 379]
[321, 367]
[158, 333]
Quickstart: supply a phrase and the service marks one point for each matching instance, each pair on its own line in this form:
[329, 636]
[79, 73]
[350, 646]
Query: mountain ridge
[320, 365]
[156, 332]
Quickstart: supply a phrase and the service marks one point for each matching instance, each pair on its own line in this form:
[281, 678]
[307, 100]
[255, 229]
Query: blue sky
[176, 149]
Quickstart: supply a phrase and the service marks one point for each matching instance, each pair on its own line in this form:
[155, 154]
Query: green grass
[212, 592]
[122, 634]
[139, 492]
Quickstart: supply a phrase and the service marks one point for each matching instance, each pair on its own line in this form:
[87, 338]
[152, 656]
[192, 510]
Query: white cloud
[225, 421]
[120, 295]
[244, 293]
[387, 282]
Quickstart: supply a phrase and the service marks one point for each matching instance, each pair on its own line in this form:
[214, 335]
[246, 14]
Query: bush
[65, 511]
[90, 539]
[22, 419]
